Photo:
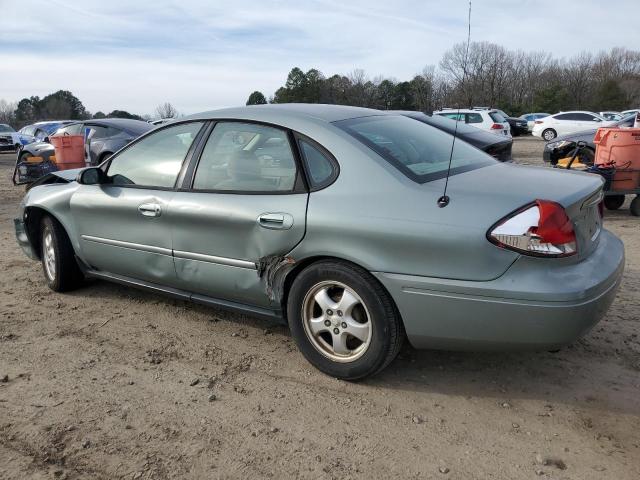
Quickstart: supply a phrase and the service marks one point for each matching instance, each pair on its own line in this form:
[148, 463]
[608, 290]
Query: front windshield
[5, 128]
[418, 150]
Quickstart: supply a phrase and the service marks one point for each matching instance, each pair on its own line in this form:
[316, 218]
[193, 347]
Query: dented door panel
[115, 236]
[219, 241]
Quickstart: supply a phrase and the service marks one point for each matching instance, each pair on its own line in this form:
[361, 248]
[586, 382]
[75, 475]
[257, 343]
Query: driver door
[123, 225]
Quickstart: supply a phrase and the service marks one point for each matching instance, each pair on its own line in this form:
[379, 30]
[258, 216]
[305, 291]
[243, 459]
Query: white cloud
[201, 54]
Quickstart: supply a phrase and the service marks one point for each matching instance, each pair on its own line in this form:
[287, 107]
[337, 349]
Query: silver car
[327, 217]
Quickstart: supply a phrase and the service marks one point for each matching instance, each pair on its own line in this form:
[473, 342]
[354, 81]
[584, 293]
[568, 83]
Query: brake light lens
[539, 122]
[539, 229]
[496, 126]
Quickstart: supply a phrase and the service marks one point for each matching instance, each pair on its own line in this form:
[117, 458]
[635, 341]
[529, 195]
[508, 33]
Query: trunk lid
[510, 187]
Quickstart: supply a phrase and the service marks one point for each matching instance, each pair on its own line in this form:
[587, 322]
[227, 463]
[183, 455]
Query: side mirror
[91, 176]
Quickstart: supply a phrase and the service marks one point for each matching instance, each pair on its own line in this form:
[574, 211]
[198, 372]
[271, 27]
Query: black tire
[65, 274]
[613, 202]
[387, 332]
[549, 134]
[634, 208]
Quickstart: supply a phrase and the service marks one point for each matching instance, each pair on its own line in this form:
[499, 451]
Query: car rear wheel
[59, 264]
[613, 202]
[549, 134]
[343, 320]
[634, 208]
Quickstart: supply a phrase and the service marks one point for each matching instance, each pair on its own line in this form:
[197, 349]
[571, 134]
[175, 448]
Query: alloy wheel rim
[49, 256]
[549, 136]
[337, 321]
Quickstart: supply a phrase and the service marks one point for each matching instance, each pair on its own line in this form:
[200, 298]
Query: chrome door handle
[282, 221]
[150, 209]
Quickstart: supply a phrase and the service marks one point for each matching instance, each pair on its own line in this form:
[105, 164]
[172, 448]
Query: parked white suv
[489, 120]
[567, 122]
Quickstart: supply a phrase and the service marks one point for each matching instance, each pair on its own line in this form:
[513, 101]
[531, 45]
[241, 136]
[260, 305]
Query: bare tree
[166, 110]
[7, 112]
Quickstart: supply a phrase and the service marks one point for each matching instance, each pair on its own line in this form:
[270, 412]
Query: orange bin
[620, 147]
[69, 151]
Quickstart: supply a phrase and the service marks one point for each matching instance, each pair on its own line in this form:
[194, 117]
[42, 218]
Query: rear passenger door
[242, 204]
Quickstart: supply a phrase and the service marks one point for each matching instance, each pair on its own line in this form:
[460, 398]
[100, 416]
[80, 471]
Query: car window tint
[155, 160]
[474, 118]
[564, 116]
[453, 116]
[419, 151]
[496, 117]
[246, 157]
[320, 168]
[98, 131]
[583, 117]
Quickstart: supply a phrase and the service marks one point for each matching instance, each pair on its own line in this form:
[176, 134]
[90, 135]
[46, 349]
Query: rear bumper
[536, 304]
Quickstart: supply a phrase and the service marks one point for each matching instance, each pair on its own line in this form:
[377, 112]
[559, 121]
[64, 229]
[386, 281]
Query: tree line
[490, 75]
[64, 105]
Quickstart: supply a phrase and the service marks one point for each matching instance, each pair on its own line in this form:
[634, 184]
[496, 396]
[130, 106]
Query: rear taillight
[541, 229]
[496, 126]
[538, 122]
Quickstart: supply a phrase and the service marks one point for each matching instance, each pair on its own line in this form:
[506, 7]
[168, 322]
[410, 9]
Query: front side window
[154, 161]
[418, 150]
[98, 131]
[246, 157]
[453, 116]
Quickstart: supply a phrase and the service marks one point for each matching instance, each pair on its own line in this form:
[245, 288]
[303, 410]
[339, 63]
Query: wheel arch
[305, 262]
[33, 216]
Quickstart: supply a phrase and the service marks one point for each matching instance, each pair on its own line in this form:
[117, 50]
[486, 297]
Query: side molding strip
[232, 262]
[200, 257]
[132, 246]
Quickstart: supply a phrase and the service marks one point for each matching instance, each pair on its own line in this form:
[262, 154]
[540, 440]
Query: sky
[205, 54]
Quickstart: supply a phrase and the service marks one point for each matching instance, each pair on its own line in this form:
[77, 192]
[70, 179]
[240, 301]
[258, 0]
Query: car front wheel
[549, 134]
[343, 320]
[59, 264]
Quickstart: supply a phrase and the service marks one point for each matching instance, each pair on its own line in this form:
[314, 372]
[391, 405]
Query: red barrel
[69, 151]
[620, 148]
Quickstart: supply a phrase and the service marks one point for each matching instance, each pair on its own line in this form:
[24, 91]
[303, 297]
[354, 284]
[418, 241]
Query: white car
[489, 120]
[531, 119]
[567, 122]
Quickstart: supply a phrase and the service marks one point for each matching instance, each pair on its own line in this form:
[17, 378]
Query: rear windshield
[418, 150]
[496, 117]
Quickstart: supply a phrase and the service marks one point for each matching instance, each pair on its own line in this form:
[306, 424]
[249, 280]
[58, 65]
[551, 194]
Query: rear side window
[154, 161]
[496, 117]
[419, 151]
[564, 116]
[474, 118]
[246, 157]
[319, 166]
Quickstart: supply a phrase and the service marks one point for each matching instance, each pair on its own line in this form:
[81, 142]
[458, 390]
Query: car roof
[131, 125]
[577, 111]
[316, 112]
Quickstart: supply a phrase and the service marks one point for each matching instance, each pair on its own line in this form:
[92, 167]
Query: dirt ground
[111, 382]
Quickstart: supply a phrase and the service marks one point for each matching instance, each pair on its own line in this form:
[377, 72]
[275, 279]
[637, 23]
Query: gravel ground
[111, 382]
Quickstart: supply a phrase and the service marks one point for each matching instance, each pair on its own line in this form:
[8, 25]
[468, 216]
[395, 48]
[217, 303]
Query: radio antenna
[443, 201]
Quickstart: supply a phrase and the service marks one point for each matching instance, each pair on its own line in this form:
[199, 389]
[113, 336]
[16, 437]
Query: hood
[61, 176]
